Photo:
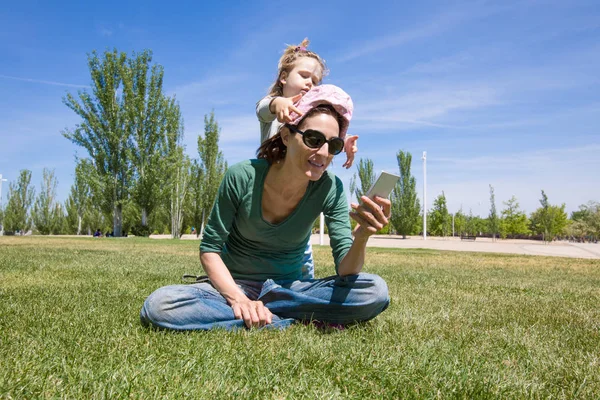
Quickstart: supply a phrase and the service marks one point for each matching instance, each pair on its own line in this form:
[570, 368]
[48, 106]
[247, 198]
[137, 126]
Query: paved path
[485, 245]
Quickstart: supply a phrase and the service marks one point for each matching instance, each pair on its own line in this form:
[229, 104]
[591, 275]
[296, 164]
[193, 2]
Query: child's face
[306, 73]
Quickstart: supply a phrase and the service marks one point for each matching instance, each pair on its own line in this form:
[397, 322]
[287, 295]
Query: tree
[548, 220]
[440, 220]
[366, 178]
[78, 202]
[212, 164]
[196, 205]
[44, 210]
[460, 222]
[146, 109]
[514, 221]
[20, 198]
[176, 168]
[586, 221]
[179, 191]
[105, 130]
[494, 223]
[405, 203]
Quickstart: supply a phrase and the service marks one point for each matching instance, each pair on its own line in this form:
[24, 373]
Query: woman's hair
[288, 60]
[274, 150]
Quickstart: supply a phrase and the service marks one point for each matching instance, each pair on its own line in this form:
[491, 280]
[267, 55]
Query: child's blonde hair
[288, 60]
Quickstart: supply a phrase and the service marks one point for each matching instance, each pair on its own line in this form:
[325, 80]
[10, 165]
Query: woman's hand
[254, 313]
[283, 106]
[372, 215]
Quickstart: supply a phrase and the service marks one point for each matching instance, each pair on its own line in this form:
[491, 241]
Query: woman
[253, 245]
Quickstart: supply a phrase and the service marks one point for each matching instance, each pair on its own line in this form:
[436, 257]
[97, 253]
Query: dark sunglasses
[315, 140]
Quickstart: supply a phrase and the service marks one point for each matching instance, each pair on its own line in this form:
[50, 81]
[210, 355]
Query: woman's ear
[285, 136]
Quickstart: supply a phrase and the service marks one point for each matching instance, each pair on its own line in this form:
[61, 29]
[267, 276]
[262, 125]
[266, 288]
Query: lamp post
[424, 195]
[321, 229]
[1, 225]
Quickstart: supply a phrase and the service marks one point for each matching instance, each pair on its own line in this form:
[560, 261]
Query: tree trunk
[118, 221]
[144, 217]
[79, 221]
[202, 224]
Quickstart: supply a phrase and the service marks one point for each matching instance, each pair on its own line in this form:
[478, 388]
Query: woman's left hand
[372, 215]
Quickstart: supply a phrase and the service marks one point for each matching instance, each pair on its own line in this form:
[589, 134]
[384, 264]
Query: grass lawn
[460, 325]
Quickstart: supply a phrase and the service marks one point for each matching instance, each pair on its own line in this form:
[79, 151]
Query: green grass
[460, 325]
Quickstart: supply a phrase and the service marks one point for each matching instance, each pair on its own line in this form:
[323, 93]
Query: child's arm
[266, 118]
[270, 108]
[350, 148]
[262, 110]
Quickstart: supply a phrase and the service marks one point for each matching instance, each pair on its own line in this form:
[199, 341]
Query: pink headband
[326, 94]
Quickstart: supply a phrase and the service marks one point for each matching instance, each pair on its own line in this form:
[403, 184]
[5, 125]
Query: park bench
[469, 238]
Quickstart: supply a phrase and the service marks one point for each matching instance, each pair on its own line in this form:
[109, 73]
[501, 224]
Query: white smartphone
[383, 186]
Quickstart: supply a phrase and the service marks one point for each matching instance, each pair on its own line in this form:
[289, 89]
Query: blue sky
[502, 93]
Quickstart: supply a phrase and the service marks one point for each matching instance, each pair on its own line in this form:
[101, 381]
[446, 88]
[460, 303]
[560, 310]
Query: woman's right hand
[254, 313]
[283, 106]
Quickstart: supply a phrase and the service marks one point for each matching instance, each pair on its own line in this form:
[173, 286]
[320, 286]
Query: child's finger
[294, 109]
[296, 98]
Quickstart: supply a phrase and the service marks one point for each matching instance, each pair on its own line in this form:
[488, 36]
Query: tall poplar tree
[44, 210]
[361, 183]
[79, 200]
[17, 215]
[405, 203]
[494, 223]
[146, 123]
[212, 164]
[105, 131]
[175, 167]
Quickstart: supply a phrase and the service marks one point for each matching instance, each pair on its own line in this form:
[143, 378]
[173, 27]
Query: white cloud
[44, 82]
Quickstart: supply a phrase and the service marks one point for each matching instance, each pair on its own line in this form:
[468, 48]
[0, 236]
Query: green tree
[494, 222]
[587, 220]
[44, 210]
[105, 130]
[196, 205]
[460, 222]
[440, 222]
[212, 163]
[548, 220]
[405, 203]
[146, 110]
[78, 202]
[360, 185]
[514, 221]
[176, 168]
[17, 216]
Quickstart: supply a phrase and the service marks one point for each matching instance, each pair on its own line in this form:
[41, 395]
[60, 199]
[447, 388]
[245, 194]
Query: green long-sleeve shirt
[255, 249]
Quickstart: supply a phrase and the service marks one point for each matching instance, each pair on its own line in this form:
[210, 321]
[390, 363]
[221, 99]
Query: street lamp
[424, 195]
[1, 225]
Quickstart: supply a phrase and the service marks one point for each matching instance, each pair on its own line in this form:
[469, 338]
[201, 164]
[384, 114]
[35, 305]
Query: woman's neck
[284, 179]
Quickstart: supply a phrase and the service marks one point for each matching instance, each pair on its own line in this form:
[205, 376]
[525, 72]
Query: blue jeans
[340, 300]
[308, 263]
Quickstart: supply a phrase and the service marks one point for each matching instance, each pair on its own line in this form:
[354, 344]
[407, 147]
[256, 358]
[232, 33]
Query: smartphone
[383, 186]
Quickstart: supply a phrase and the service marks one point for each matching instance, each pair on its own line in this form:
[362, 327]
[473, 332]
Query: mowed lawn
[460, 325]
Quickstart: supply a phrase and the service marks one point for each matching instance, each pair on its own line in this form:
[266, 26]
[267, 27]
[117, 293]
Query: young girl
[299, 70]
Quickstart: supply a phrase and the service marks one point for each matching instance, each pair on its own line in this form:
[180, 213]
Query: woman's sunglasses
[315, 140]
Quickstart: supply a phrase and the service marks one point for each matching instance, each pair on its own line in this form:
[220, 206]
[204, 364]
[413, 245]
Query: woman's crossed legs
[339, 300]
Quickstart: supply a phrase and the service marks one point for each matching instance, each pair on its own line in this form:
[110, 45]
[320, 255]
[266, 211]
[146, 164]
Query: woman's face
[311, 163]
